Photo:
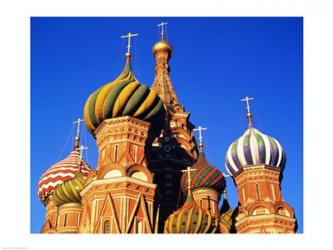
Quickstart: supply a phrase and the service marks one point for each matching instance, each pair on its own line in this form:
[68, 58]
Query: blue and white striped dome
[254, 148]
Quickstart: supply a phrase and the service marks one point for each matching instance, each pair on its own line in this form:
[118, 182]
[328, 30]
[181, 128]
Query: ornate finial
[189, 170]
[249, 113]
[200, 129]
[129, 36]
[77, 137]
[162, 29]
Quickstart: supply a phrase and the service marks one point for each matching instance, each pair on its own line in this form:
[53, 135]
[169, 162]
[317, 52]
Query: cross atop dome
[249, 113]
[188, 170]
[129, 36]
[77, 137]
[161, 26]
[200, 129]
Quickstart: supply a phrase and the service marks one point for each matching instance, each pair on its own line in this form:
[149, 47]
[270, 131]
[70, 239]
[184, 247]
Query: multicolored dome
[190, 219]
[59, 173]
[121, 97]
[69, 191]
[254, 148]
[206, 176]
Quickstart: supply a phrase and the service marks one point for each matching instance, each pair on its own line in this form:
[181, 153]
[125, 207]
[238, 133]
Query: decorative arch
[260, 210]
[139, 172]
[139, 175]
[258, 204]
[281, 208]
[282, 211]
[112, 172]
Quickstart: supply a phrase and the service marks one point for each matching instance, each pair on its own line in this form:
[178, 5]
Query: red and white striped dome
[60, 172]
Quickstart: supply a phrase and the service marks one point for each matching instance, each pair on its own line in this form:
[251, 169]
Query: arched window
[106, 227]
[112, 174]
[139, 175]
[282, 211]
[260, 210]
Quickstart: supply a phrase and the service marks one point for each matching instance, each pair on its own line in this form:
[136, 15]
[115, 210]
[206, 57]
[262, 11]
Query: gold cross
[78, 121]
[188, 170]
[200, 129]
[129, 36]
[162, 29]
[247, 99]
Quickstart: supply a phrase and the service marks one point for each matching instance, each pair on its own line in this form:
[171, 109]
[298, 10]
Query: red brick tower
[119, 196]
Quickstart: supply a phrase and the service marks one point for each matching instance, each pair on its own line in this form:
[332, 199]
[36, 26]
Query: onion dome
[205, 176]
[69, 191]
[124, 96]
[162, 46]
[191, 219]
[59, 173]
[254, 148]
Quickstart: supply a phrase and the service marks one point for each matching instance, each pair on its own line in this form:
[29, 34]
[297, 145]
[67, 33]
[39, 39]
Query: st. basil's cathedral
[148, 155]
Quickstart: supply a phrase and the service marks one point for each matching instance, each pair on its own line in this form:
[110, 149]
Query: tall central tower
[175, 148]
[118, 197]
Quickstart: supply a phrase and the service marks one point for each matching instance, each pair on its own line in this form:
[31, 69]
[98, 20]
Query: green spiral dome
[124, 96]
[69, 191]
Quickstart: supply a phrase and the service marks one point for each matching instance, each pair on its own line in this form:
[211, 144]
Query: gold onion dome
[124, 96]
[191, 219]
[69, 191]
[162, 46]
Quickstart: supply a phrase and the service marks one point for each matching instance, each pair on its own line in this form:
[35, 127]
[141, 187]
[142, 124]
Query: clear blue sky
[216, 62]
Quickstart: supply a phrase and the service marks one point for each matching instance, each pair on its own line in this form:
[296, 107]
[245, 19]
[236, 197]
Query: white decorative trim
[116, 180]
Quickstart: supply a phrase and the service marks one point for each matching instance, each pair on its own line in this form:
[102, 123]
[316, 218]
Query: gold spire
[128, 36]
[188, 170]
[77, 137]
[200, 129]
[162, 83]
[249, 113]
